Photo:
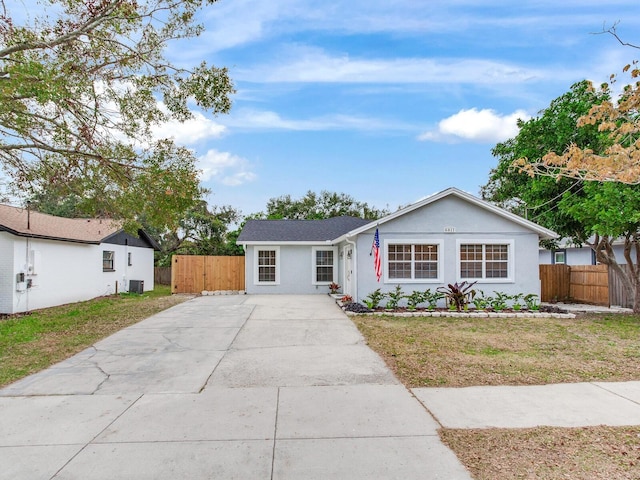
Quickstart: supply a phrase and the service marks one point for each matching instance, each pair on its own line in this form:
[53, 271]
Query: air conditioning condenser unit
[136, 286]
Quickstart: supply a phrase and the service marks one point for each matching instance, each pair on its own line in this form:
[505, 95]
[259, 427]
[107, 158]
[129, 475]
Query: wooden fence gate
[197, 273]
[593, 284]
[590, 284]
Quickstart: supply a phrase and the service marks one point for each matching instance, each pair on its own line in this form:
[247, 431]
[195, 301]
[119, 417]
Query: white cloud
[191, 131]
[269, 25]
[225, 168]
[250, 119]
[482, 126]
[306, 65]
[240, 22]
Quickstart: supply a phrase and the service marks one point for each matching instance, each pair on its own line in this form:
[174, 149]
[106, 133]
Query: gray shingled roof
[298, 230]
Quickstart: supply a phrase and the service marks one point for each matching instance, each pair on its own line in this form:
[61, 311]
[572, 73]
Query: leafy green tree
[537, 197]
[594, 212]
[82, 85]
[619, 120]
[50, 202]
[319, 206]
[611, 212]
[201, 232]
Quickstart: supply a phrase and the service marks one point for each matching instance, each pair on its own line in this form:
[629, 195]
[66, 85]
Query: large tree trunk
[629, 276]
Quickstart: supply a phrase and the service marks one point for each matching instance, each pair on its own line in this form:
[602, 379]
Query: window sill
[487, 280]
[410, 280]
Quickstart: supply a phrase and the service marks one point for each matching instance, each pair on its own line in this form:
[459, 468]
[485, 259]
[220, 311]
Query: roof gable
[542, 232]
[336, 229]
[312, 231]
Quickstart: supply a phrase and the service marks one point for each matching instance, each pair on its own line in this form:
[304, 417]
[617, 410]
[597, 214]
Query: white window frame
[109, 258]
[406, 241]
[562, 252]
[510, 260]
[256, 267]
[314, 277]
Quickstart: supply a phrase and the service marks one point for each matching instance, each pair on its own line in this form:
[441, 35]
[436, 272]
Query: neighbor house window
[107, 261]
[485, 261]
[267, 265]
[324, 265]
[129, 259]
[418, 262]
[559, 256]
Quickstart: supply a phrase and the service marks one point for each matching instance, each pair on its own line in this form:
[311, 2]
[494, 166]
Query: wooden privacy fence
[162, 275]
[617, 292]
[197, 273]
[593, 284]
[590, 284]
[555, 282]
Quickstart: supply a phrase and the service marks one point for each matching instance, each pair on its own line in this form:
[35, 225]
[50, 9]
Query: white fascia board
[274, 243]
[544, 233]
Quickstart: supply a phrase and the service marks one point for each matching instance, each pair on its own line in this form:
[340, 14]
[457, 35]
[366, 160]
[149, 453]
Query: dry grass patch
[32, 342]
[459, 352]
[548, 453]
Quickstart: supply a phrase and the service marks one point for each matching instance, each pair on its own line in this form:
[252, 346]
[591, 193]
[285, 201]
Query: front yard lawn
[458, 352]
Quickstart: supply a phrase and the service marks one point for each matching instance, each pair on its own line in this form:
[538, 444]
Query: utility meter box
[21, 283]
[136, 286]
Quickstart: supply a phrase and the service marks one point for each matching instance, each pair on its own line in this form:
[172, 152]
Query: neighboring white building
[47, 260]
[449, 237]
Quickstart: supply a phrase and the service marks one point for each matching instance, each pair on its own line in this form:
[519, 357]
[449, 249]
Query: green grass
[34, 341]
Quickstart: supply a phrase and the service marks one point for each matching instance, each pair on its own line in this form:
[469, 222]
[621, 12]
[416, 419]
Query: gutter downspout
[355, 268]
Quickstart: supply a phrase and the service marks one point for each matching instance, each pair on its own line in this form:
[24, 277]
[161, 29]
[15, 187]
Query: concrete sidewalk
[563, 405]
[237, 387]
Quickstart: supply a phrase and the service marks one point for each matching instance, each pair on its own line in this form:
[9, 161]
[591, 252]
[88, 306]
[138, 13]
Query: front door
[348, 270]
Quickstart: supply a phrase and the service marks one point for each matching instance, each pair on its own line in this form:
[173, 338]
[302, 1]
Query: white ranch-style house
[47, 260]
[449, 237]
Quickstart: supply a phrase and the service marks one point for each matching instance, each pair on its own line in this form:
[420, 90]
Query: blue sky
[387, 101]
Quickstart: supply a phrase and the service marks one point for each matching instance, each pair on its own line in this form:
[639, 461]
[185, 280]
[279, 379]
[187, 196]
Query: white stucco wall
[66, 272]
[296, 270]
[6, 273]
[463, 222]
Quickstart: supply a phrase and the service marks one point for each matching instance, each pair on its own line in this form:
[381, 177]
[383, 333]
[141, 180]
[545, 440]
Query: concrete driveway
[223, 387]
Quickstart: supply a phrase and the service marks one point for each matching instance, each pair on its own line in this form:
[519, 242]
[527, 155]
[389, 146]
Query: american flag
[376, 255]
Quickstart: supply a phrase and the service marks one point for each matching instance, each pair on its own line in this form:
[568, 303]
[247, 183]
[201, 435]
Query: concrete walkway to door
[236, 387]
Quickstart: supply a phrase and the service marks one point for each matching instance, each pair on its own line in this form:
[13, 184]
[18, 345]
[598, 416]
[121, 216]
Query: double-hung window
[267, 265]
[413, 261]
[108, 261]
[488, 261]
[324, 265]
